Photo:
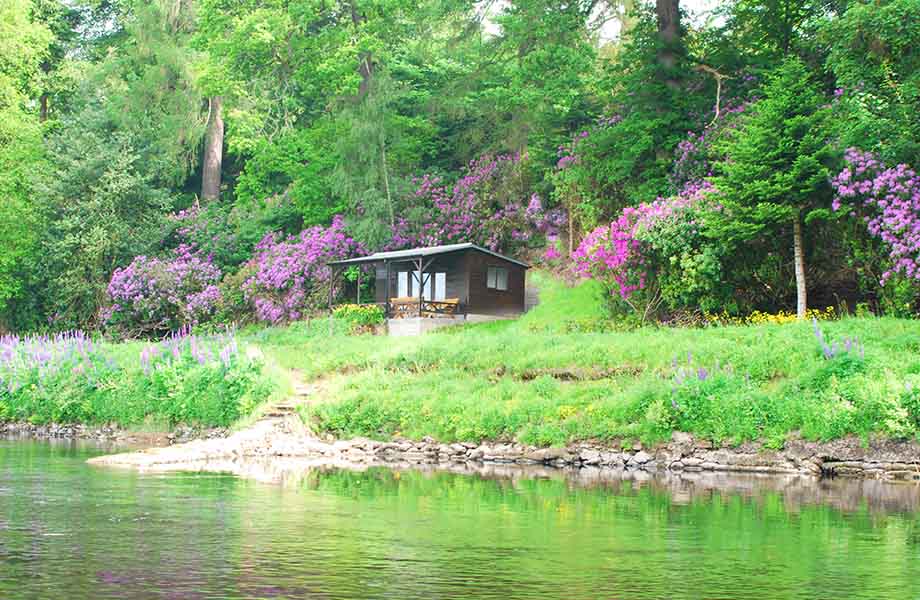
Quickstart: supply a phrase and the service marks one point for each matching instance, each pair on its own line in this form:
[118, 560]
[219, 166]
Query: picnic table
[409, 307]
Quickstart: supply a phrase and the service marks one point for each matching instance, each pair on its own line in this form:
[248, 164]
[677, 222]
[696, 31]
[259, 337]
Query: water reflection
[298, 529]
[843, 494]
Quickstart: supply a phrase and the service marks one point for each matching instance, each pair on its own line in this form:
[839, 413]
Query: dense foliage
[172, 163]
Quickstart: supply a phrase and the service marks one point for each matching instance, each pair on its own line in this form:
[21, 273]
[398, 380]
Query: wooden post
[332, 277]
[387, 299]
[359, 285]
[421, 284]
[418, 274]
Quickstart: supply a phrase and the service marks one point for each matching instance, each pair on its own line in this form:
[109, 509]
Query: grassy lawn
[548, 379]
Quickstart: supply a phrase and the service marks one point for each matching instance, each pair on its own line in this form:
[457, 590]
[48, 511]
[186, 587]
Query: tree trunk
[365, 67]
[213, 151]
[386, 180]
[668, 13]
[43, 108]
[799, 253]
[571, 233]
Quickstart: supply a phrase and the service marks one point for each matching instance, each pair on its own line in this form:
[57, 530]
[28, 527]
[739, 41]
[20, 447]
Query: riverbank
[562, 385]
[285, 437]
[74, 385]
[145, 438]
[564, 373]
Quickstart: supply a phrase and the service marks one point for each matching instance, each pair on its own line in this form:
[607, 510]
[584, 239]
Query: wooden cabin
[453, 280]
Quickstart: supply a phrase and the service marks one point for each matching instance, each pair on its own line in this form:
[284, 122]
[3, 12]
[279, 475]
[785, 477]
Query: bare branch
[718, 77]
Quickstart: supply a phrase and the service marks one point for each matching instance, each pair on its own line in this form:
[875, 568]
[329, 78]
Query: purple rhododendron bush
[488, 205]
[657, 254]
[155, 296]
[888, 200]
[292, 276]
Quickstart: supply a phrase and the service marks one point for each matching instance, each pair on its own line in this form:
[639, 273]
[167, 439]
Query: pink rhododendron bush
[657, 255]
[291, 274]
[157, 295]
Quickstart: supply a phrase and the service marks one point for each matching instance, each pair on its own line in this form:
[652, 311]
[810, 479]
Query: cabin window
[497, 278]
[440, 286]
[435, 285]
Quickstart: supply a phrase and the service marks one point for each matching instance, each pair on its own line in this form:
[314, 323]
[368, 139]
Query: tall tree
[774, 169]
[24, 46]
[64, 21]
[213, 150]
[875, 58]
[101, 209]
[627, 156]
[150, 88]
[548, 62]
[669, 36]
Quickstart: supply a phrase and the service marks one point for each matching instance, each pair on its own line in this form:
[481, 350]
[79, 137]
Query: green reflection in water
[69, 530]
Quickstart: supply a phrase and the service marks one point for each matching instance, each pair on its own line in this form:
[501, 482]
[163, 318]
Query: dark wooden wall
[483, 300]
[466, 280]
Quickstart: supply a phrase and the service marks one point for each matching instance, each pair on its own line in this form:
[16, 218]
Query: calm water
[68, 530]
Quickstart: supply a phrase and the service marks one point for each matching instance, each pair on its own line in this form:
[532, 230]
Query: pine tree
[774, 172]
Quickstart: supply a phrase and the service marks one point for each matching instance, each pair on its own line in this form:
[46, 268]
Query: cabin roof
[399, 255]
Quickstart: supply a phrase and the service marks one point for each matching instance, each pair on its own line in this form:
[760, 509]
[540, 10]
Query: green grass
[548, 379]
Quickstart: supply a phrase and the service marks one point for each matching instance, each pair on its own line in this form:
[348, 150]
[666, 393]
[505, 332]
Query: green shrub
[191, 379]
[359, 316]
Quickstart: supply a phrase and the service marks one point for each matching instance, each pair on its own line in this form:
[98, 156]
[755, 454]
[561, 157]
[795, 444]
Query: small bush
[359, 316]
[232, 307]
[760, 318]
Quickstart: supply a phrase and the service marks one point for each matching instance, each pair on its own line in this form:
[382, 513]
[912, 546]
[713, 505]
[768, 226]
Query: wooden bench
[409, 307]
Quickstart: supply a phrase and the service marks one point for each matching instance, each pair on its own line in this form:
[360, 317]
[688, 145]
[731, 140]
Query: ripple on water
[71, 531]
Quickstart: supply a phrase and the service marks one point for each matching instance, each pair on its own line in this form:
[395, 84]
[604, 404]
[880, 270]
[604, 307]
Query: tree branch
[718, 77]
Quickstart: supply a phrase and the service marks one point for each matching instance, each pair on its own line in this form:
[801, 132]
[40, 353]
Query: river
[69, 530]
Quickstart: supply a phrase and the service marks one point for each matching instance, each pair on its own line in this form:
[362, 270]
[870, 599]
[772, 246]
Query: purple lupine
[831, 351]
[183, 345]
[36, 358]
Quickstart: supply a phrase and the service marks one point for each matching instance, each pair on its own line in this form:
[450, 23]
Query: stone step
[280, 410]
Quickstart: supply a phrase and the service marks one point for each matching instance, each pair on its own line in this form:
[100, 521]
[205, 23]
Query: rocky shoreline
[879, 459]
[288, 437]
[107, 433]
